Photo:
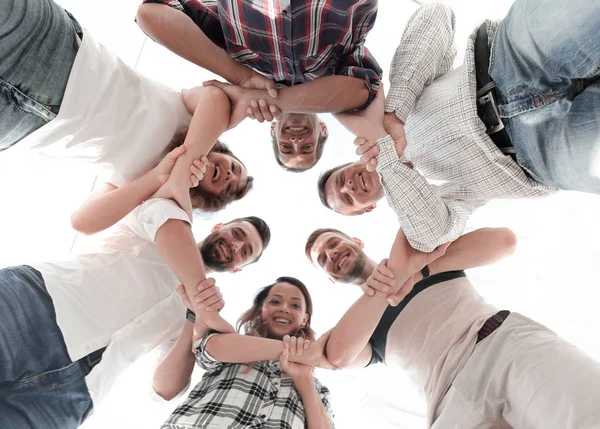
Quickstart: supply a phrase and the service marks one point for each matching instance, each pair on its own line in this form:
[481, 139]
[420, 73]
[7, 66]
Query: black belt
[492, 324]
[487, 108]
[87, 363]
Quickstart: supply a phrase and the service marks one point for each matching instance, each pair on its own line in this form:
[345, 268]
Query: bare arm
[351, 335]
[178, 33]
[316, 416]
[174, 372]
[209, 121]
[475, 249]
[175, 243]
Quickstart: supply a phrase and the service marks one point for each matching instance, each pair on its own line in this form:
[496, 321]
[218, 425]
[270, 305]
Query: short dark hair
[202, 199]
[323, 178]
[320, 146]
[312, 238]
[261, 226]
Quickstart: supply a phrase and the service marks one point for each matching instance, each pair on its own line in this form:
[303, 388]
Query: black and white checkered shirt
[446, 139]
[229, 397]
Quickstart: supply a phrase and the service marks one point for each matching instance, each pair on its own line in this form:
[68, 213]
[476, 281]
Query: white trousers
[523, 376]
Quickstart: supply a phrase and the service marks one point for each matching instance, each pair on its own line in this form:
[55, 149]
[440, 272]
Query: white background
[552, 277]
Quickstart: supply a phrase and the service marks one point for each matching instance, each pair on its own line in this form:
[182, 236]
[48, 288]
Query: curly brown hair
[202, 199]
[252, 324]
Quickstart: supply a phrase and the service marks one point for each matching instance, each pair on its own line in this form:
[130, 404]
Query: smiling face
[283, 311]
[224, 175]
[231, 246]
[353, 190]
[296, 140]
[339, 256]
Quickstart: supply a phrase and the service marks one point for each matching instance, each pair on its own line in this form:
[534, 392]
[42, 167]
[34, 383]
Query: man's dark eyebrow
[242, 232]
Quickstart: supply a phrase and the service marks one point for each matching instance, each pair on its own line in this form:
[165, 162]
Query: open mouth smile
[361, 181]
[224, 251]
[216, 173]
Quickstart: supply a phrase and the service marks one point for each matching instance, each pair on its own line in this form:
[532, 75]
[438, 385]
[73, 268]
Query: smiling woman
[227, 178]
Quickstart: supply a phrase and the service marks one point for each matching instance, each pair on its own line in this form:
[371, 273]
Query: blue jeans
[40, 387]
[38, 44]
[546, 65]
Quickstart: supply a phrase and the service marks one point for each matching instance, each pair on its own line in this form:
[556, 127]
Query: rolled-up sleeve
[203, 359]
[362, 65]
[146, 219]
[204, 14]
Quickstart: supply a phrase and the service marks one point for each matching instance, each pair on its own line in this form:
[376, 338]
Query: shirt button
[263, 416]
[284, 13]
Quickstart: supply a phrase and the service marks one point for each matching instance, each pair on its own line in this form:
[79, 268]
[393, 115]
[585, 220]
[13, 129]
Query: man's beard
[210, 256]
[356, 271]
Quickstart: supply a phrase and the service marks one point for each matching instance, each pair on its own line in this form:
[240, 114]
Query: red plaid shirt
[291, 41]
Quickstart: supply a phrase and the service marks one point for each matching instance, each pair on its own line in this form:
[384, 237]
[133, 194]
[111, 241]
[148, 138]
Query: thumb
[215, 83]
[438, 252]
[271, 88]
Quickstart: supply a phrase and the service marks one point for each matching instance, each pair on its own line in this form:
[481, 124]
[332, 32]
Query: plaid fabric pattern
[446, 138]
[230, 396]
[291, 41]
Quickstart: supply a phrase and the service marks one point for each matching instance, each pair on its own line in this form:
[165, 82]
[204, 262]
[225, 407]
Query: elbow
[146, 16]
[508, 241]
[163, 391]
[80, 225]
[336, 354]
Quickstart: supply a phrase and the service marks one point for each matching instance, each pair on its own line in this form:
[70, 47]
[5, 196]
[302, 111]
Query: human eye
[275, 301]
[308, 148]
[233, 167]
[296, 306]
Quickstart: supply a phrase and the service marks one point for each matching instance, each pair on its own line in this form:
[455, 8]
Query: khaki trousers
[523, 376]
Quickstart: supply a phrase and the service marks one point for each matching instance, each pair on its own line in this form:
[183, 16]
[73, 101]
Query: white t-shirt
[123, 293]
[111, 116]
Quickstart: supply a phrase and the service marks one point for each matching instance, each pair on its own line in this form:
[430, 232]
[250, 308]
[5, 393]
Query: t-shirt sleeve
[146, 219]
[204, 13]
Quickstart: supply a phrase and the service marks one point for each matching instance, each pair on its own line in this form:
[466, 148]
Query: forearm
[431, 219]
[174, 372]
[178, 33]
[316, 417]
[235, 348]
[476, 249]
[354, 330]
[426, 52]
[209, 121]
[106, 209]
[333, 94]
[175, 243]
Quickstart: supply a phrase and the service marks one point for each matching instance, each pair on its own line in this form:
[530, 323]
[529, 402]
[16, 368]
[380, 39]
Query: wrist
[237, 73]
[304, 382]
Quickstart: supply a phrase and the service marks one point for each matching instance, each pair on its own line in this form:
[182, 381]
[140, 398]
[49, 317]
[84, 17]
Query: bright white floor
[553, 276]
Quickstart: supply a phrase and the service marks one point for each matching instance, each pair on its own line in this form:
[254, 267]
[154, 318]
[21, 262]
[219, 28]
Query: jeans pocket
[58, 378]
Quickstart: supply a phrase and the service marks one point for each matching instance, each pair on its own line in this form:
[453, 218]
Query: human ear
[236, 270]
[324, 131]
[273, 124]
[371, 208]
[216, 227]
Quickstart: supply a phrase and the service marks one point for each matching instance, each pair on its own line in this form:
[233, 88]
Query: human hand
[313, 355]
[176, 192]
[298, 372]
[255, 80]
[381, 280]
[395, 128]
[245, 102]
[367, 123]
[368, 151]
[408, 261]
[165, 167]
[209, 297]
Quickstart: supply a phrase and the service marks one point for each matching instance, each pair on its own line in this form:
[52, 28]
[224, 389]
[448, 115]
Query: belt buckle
[482, 101]
[94, 358]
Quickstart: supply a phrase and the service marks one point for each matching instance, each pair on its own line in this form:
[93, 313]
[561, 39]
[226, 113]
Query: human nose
[331, 253]
[236, 246]
[296, 139]
[348, 187]
[228, 174]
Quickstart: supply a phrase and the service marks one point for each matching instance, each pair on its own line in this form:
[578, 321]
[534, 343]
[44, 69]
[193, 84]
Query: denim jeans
[546, 64]
[40, 388]
[38, 44]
